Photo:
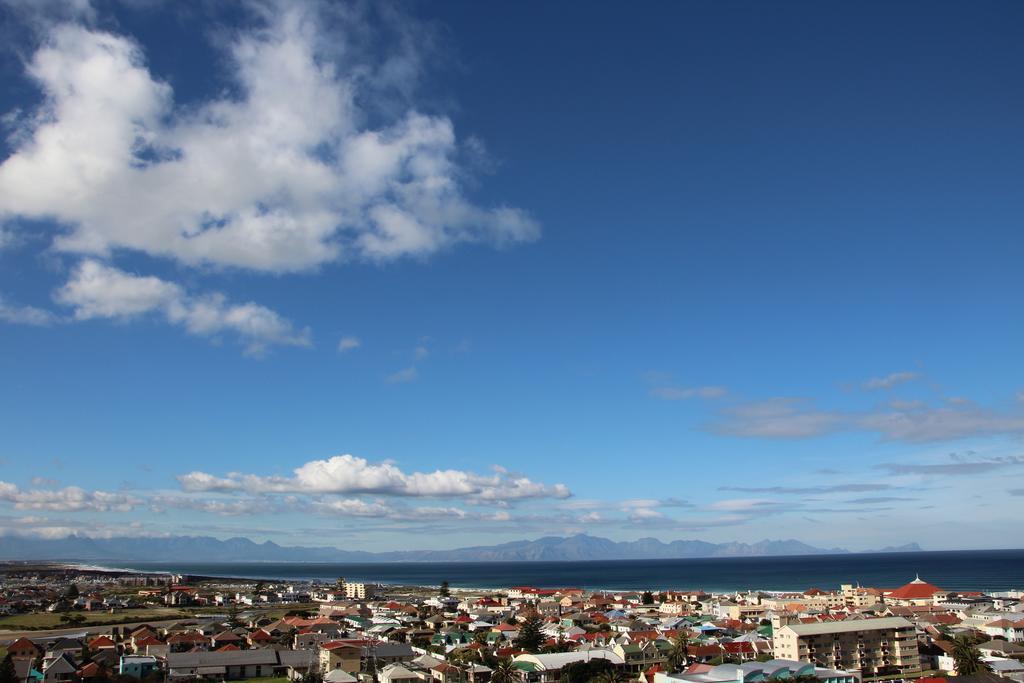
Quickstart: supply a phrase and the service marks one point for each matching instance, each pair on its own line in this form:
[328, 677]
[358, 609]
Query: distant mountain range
[551, 548]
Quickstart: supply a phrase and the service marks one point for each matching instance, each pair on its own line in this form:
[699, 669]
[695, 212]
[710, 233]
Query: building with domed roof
[917, 592]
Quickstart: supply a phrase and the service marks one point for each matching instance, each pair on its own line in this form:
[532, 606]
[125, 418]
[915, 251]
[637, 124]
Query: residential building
[873, 646]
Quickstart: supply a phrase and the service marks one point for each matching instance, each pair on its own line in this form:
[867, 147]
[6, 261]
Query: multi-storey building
[359, 591]
[872, 646]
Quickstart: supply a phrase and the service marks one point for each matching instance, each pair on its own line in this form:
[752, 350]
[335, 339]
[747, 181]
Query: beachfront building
[872, 646]
[917, 593]
[358, 590]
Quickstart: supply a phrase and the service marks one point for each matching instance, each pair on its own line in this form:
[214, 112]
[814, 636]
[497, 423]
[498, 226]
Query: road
[7, 636]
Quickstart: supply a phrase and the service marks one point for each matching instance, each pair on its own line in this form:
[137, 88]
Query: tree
[967, 657]
[504, 671]
[233, 619]
[72, 619]
[72, 592]
[647, 598]
[530, 637]
[444, 592]
[609, 675]
[7, 672]
[585, 671]
[679, 655]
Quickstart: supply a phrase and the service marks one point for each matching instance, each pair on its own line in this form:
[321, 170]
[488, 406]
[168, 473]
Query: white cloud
[348, 343]
[792, 418]
[281, 175]
[348, 474]
[25, 315]
[99, 291]
[889, 381]
[404, 376]
[96, 290]
[670, 393]
[643, 514]
[776, 418]
[70, 499]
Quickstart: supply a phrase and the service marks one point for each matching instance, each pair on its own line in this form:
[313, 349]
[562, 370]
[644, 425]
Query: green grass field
[48, 620]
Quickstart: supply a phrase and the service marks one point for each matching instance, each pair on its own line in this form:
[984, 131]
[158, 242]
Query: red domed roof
[915, 590]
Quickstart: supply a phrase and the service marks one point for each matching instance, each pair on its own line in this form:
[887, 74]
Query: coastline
[957, 570]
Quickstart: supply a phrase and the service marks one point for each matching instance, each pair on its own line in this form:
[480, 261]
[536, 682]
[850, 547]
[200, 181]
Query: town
[118, 626]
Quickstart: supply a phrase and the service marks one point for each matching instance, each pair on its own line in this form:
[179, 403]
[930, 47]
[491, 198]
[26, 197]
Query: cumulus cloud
[349, 474]
[96, 290]
[282, 174]
[70, 499]
[890, 380]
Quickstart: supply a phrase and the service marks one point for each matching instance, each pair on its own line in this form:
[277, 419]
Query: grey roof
[193, 660]
[849, 626]
[389, 649]
[297, 658]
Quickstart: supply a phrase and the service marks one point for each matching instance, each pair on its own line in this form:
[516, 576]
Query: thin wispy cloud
[808, 490]
[348, 343]
[672, 393]
[798, 418]
[957, 465]
[403, 376]
[879, 499]
[26, 315]
[890, 381]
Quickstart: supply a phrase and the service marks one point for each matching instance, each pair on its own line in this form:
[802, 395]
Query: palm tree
[967, 657]
[504, 671]
[679, 655]
[609, 676]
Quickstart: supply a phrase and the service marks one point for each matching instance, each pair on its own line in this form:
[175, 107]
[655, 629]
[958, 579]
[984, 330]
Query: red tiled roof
[915, 590]
[734, 647]
[102, 641]
[90, 670]
[148, 641]
[21, 644]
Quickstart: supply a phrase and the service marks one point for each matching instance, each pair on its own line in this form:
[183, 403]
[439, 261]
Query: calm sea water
[952, 570]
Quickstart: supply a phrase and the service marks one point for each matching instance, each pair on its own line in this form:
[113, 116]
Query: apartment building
[872, 646]
[359, 591]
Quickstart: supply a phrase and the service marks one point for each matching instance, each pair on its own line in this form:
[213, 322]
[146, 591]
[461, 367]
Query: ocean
[990, 570]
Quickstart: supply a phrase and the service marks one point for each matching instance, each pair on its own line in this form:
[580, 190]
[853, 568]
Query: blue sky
[437, 274]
